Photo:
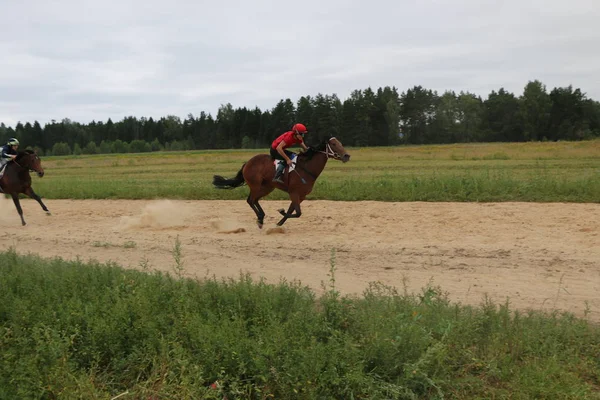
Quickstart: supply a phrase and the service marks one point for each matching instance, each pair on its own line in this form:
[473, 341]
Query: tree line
[383, 117]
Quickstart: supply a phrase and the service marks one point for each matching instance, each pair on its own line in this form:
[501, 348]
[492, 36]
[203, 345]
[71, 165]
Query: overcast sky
[91, 60]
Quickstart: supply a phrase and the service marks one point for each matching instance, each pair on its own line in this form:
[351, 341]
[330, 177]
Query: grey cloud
[89, 60]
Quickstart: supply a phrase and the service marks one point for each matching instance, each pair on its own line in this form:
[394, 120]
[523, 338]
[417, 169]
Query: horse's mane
[312, 150]
[24, 153]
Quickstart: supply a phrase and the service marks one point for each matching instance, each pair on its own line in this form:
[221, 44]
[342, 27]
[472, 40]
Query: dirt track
[541, 256]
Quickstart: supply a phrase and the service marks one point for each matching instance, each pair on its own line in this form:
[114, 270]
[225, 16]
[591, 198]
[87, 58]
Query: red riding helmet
[299, 128]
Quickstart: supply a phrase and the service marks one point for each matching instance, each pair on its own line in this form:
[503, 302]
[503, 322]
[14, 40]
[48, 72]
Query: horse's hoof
[260, 225]
[48, 213]
[23, 223]
[282, 211]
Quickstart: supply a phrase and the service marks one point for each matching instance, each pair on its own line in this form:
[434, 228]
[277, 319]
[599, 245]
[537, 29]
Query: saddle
[2, 169]
[291, 168]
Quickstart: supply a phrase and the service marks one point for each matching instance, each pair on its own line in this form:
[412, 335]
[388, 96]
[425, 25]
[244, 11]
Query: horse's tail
[222, 183]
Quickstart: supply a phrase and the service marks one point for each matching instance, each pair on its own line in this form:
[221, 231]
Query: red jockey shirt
[289, 138]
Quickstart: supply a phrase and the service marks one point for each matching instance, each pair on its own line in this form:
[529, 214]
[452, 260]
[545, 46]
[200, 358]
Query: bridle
[329, 151]
[29, 168]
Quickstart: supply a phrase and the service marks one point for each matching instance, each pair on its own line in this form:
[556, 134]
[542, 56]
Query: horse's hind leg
[265, 190]
[29, 192]
[260, 214]
[15, 197]
[257, 193]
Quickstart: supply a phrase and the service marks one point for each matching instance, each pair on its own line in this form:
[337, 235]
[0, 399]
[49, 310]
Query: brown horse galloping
[16, 179]
[259, 171]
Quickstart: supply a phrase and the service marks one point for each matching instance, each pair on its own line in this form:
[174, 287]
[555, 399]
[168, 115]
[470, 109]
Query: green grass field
[70, 330]
[544, 172]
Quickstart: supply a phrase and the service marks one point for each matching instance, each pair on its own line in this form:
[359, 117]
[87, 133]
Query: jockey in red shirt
[279, 146]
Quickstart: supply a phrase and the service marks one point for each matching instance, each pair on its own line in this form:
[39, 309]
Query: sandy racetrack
[540, 256]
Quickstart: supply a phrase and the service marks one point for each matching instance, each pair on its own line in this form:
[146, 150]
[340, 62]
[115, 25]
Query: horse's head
[334, 149]
[29, 159]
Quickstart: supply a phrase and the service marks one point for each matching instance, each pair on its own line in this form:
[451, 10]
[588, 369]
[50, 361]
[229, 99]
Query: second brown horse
[16, 179]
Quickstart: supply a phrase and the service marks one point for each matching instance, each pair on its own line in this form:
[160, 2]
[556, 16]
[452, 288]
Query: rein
[313, 176]
[22, 167]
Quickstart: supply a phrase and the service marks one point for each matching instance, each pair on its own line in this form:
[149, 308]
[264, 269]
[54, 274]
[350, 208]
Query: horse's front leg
[29, 192]
[15, 197]
[293, 212]
[286, 215]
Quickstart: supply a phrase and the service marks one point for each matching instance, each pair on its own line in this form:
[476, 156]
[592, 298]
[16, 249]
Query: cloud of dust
[275, 230]
[8, 211]
[228, 226]
[159, 214]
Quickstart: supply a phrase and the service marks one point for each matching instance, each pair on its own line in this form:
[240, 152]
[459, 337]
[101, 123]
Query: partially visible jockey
[9, 153]
[279, 146]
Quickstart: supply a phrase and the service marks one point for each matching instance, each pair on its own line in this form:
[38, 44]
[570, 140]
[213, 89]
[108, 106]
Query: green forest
[382, 117]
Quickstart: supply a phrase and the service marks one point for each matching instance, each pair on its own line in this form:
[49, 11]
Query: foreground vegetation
[533, 171]
[73, 330]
